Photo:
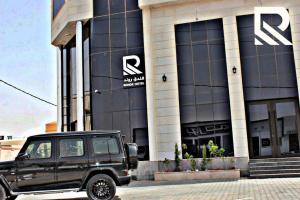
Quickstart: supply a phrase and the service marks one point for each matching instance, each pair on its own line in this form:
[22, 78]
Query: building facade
[173, 71]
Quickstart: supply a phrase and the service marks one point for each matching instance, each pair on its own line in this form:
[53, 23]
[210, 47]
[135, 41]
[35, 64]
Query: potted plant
[177, 158]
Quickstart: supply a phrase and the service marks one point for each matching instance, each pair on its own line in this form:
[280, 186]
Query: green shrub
[177, 158]
[193, 164]
[190, 157]
[204, 158]
[214, 150]
[166, 163]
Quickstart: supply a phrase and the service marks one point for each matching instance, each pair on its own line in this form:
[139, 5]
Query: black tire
[101, 187]
[2, 192]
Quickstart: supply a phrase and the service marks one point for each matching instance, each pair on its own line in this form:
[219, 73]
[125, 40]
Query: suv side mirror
[23, 156]
[132, 155]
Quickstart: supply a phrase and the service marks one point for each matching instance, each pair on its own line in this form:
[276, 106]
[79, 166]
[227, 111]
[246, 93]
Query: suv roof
[72, 133]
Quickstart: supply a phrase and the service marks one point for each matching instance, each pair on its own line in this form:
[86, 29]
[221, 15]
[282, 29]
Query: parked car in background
[94, 162]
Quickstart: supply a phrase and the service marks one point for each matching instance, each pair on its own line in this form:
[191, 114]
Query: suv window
[39, 149]
[105, 145]
[72, 147]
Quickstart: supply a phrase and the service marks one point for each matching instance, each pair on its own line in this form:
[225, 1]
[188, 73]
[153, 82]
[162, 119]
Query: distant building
[10, 148]
[51, 127]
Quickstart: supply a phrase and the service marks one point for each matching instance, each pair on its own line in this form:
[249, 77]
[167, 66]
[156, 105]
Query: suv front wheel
[101, 187]
[3, 194]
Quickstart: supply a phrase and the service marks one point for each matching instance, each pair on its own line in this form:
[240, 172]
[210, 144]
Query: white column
[235, 84]
[59, 90]
[295, 31]
[150, 87]
[79, 76]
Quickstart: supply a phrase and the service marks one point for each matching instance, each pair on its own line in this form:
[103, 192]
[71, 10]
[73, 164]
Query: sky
[28, 61]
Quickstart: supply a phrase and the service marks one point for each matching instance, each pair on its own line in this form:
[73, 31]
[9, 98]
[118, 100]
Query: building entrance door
[273, 128]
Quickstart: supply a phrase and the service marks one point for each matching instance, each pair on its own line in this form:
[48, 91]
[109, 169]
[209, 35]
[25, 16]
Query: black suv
[94, 162]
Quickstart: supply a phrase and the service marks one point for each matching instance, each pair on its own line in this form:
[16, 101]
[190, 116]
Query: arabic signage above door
[133, 71]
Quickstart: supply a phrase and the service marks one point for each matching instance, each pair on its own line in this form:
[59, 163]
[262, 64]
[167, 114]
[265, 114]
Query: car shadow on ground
[116, 198]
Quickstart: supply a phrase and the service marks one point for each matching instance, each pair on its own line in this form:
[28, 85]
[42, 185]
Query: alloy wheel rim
[101, 189]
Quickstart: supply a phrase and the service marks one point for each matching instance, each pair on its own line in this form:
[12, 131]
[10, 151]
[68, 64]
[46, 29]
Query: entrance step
[274, 167]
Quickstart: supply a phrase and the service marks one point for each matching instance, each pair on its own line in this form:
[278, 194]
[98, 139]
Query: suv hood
[7, 164]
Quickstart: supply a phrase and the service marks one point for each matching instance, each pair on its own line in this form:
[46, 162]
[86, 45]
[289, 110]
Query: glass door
[273, 128]
[260, 140]
[287, 128]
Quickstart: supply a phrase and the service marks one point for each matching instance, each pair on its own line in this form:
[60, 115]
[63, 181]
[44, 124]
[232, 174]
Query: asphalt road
[244, 189]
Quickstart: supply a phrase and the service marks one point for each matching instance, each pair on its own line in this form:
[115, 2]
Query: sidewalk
[244, 189]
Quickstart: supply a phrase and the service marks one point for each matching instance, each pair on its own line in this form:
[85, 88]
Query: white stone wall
[295, 30]
[64, 23]
[235, 86]
[59, 89]
[165, 14]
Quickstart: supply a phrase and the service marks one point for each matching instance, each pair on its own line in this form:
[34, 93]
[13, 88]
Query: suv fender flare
[106, 170]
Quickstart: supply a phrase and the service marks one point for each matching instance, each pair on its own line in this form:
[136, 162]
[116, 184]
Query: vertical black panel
[184, 54]
[117, 31]
[134, 25]
[116, 6]
[101, 64]
[187, 74]
[198, 32]
[183, 34]
[203, 87]
[132, 5]
[268, 71]
[100, 34]
[202, 73]
[101, 7]
[187, 95]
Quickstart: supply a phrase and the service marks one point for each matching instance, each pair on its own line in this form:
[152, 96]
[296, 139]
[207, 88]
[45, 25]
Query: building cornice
[64, 23]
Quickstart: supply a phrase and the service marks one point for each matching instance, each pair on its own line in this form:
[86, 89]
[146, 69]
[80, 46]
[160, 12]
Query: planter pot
[201, 175]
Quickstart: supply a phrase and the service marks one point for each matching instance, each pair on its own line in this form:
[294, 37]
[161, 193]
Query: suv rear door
[107, 151]
[72, 161]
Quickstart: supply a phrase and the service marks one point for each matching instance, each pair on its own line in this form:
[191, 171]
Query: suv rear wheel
[101, 187]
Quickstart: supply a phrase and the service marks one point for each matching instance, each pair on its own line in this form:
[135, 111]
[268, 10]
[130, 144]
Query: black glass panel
[184, 54]
[132, 5]
[183, 35]
[134, 29]
[100, 64]
[202, 73]
[117, 32]
[200, 51]
[187, 74]
[101, 7]
[100, 34]
[116, 6]
[198, 32]
[120, 100]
